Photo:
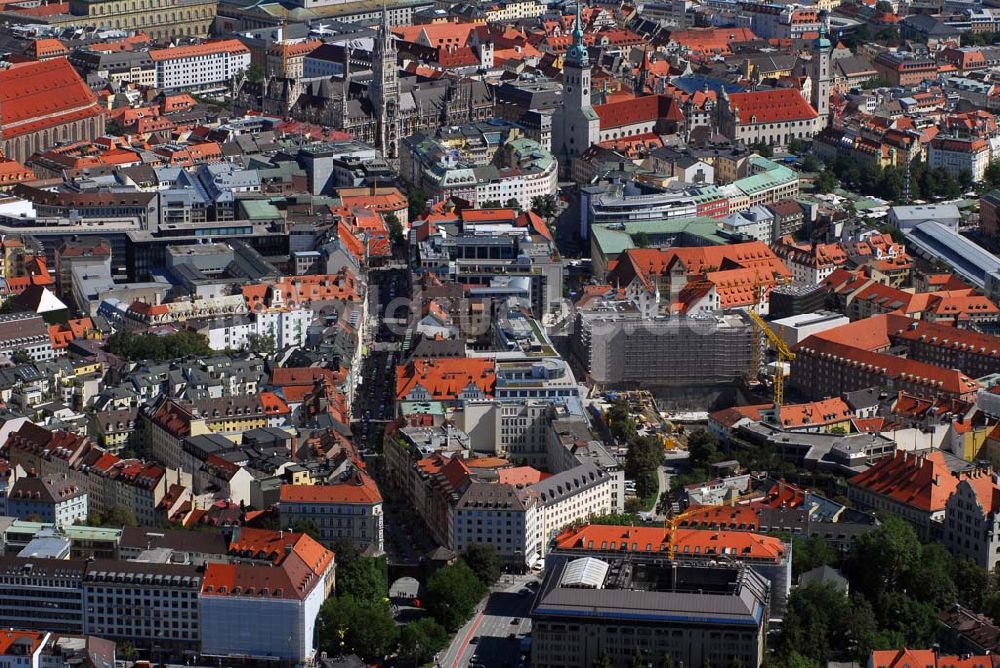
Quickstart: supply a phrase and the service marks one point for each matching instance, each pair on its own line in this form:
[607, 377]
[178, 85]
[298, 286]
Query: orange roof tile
[232, 46]
[359, 489]
[921, 481]
[445, 378]
[687, 542]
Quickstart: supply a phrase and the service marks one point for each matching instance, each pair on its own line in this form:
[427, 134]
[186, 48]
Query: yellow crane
[782, 354]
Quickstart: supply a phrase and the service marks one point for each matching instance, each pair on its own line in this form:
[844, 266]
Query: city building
[43, 103]
[589, 607]
[200, 66]
[351, 508]
[265, 606]
[160, 19]
[49, 499]
[575, 125]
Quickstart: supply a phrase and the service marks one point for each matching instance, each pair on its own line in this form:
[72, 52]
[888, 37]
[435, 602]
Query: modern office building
[590, 608]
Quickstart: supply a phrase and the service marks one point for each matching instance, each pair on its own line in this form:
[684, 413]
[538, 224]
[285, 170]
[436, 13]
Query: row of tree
[157, 348]
[359, 618]
[889, 182]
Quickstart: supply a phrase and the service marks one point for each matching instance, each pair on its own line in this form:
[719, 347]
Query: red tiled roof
[739, 544]
[772, 106]
[444, 378]
[232, 46]
[645, 109]
[360, 488]
[44, 94]
[922, 481]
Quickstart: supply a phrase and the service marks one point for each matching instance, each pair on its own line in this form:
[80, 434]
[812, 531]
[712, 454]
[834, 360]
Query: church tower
[820, 72]
[575, 125]
[384, 91]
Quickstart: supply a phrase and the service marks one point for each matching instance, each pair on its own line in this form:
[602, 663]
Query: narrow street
[375, 399]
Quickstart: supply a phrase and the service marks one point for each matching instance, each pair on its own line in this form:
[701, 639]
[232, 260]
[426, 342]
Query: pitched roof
[598, 537]
[922, 481]
[444, 378]
[358, 488]
[646, 263]
[772, 106]
[231, 46]
[44, 94]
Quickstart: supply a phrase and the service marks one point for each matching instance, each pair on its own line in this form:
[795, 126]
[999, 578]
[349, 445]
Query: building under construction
[621, 348]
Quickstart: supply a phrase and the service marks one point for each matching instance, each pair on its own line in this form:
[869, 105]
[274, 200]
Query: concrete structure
[624, 349]
[794, 329]
[200, 66]
[588, 608]
[160, 19]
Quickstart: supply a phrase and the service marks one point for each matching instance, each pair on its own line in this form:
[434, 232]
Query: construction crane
[671, 526]
[782, 354]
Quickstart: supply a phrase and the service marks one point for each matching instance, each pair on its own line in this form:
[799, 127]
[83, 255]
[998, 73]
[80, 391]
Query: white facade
[255, 626]
[520, 523]
[521, 186]
[200, 65]
[958, 156]
[287, 327]
[969, 528]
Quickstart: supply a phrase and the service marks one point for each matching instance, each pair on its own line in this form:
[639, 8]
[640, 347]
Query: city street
[375, 396]
[486, 640]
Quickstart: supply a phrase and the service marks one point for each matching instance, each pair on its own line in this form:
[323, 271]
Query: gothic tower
[575, 125]
[384, 91]
[820, 72]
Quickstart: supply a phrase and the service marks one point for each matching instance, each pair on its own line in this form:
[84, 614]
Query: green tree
[796, 146]
[416, 203]
[603, 661]
[972, 581]
[545, 206]
[367, 630]
[395, 228]
[810, 163]
[452, 594]
[156, 348]
[991, 175]
[816, 622]
[308, 527]
[825, 182]
[644, 455]
[420, 640]
[263, 344]
[255, 73]
[21, 357]
[762, 149]
[810, 553]
[491, 204]
[703, 448]
[366, 579]
[513, 203]
[116, 516]
[484, 561]
[347, 553]
[127, 650]
[882, 559]
[641, 240]
[620, 421]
